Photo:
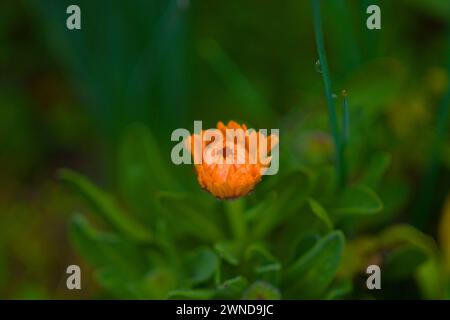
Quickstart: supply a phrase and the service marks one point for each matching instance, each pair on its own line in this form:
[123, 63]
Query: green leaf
[406, 234]
[157, 283]
[291, 191]
[104, 205]
[143, 171]
[261, 290]
[375, 169]
[265, 265]
[324, 184]
[320, 213]
[398, 242]
[201, 265]
[196, 294]
[303, 244]
[118, 264]
[258, 209]
[227, 251]
[187, 215]
[310, 275]
[232, 288]
[357, 200]
[340, 290]
[432, 279]
[403, 262]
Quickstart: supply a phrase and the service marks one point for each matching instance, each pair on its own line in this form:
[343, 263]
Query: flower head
[231, 159]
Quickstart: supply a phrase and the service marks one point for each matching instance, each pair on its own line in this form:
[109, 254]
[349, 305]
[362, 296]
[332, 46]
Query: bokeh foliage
[104, 100]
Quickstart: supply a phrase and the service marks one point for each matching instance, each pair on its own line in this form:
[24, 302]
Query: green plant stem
[339, 159]
[345, 135]
[345, 120]
[421, 214]
[235, 213]
[422, 211]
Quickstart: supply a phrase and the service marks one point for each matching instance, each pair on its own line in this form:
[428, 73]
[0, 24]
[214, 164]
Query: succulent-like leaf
[104, 205]
[310, 274]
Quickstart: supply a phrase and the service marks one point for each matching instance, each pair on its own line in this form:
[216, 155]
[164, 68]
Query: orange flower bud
[230, 169]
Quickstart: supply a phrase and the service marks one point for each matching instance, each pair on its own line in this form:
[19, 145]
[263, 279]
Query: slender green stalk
[421, 214]
[236, 218]
[345, 134]
[345, 120]
[422, 211]
[339, 158]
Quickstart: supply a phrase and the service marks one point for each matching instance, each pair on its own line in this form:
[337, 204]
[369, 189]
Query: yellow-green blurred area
[69, 97]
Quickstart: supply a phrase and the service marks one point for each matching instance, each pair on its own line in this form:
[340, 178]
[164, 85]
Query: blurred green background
[103, 101]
